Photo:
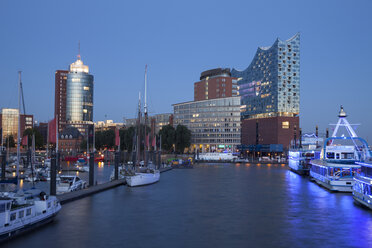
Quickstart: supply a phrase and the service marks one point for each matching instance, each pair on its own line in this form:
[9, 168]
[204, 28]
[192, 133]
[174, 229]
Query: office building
[215, 83]
[214, 123]
[270, 95]
[79, 96]
[9, 123]
[107, 125]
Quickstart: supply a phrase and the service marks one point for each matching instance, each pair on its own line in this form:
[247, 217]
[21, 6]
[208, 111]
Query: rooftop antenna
[79, 57]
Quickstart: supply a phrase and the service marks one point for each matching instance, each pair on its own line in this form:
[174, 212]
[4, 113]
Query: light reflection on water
[212, 205]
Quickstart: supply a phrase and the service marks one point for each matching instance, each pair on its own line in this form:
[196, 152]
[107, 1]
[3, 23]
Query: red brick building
[69, 141]
[60, 97]
[215, 83]
[273, 130]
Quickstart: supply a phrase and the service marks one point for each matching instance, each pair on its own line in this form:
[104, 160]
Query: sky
[180, 39]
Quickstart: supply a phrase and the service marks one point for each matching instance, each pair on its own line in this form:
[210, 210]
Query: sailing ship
[24, 211]
[142, 175]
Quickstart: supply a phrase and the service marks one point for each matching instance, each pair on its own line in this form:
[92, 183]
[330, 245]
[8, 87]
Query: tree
[11, 141]
[168, 137]
[183, 138]
[126, 138]
[39, 141]
[104, 139]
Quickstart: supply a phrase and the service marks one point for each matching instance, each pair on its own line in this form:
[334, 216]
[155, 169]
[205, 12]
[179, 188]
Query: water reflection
[212, 205]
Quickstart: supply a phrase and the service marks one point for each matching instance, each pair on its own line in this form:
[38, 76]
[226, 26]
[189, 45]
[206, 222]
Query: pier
[76, 195]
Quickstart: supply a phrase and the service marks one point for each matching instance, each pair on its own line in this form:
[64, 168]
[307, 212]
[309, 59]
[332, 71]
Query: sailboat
[22, 211]
[142, 175]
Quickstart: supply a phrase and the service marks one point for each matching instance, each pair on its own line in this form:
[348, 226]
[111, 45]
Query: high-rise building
[9, 123]
[79, 96]
[60, 98]
[214, 123]
[215, 83]
[270, 94]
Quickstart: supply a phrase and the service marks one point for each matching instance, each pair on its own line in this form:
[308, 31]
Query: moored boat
[299, 160]
[337, 166]
[69, 183]
[146, 176]
[362, 189]
[24, 211]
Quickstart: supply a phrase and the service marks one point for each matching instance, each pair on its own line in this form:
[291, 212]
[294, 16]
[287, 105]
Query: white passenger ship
[299, 159]
[24, 211]
[362, 190]
[337, 166]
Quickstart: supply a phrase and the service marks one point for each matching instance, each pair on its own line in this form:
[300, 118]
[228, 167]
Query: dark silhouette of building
[60, 97]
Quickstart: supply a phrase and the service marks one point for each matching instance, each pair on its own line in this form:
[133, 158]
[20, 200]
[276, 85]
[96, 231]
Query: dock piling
[53, 175]
[117, 158]
[91, 169]
[3, 163]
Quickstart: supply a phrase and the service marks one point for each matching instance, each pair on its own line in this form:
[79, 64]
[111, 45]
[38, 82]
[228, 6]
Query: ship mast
[19, 122]
[145, 110]
[138, 145]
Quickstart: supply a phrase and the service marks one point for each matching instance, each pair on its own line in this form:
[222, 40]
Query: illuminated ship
[362, 189]
[299, 160]
[338, 162]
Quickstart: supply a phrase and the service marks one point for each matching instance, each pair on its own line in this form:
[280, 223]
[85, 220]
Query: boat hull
[140, 179]
[333, 185]
[13, 233]
[361, 199]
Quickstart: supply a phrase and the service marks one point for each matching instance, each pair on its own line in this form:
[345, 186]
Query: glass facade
[79, 96]
[270, 86]
[10, 123]
[214, 124]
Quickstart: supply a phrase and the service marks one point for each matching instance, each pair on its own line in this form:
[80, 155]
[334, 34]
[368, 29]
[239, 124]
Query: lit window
[285, 124]
[86, 88]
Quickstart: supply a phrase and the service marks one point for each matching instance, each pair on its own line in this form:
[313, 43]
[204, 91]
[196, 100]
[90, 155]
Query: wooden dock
[75, 195]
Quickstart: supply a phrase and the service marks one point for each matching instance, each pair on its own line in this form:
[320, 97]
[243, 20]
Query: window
[330, 155]
[285, 124]
[21, 214]
[2, 208]
[49, 204]
[13, 216]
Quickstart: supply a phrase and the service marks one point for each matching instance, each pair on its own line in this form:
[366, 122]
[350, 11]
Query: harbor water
[212, 205]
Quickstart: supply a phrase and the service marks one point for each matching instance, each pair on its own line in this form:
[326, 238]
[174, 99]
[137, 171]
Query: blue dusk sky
[180, 39]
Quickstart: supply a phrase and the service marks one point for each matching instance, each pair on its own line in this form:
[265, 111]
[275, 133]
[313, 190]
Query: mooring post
[159, 159]
[117, 159]
[3, 163]
[53, 175]
[91, 169]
